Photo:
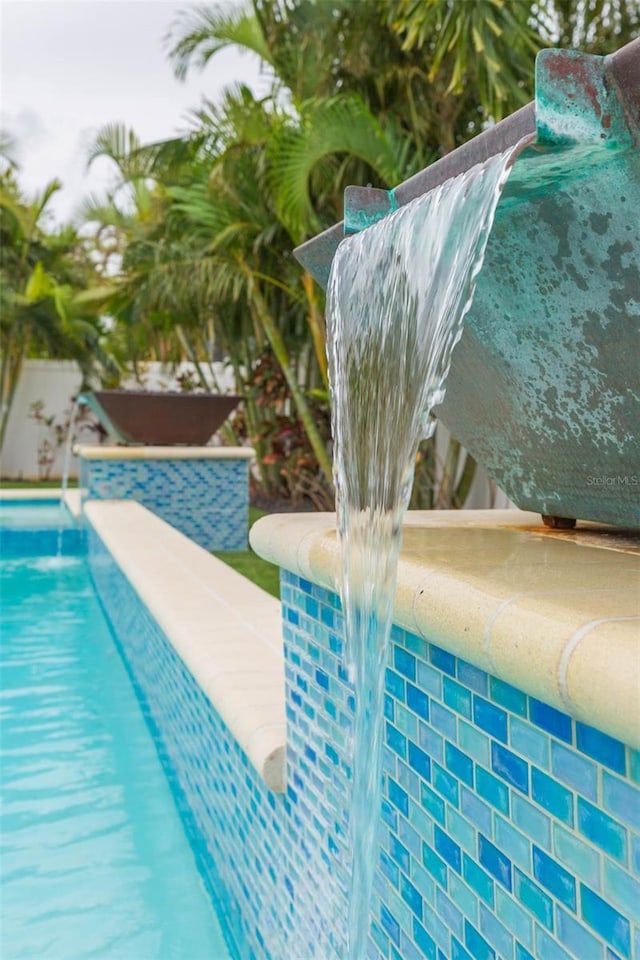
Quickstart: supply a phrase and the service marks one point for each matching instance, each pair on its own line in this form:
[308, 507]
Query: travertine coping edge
[226, 630]
[557, 617]
[98, 452]
[29, 493]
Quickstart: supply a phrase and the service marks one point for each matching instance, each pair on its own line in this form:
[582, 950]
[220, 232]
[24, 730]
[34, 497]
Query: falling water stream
[68, 449]
[398, 294]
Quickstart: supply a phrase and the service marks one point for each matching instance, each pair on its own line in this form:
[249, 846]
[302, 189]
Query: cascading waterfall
[398, 294]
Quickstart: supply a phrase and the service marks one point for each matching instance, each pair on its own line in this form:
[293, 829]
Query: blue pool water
[94, 860]
[34, 514]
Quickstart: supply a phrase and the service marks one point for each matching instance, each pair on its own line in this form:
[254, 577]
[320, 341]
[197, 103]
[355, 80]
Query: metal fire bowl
[156, 418]
[544, 386]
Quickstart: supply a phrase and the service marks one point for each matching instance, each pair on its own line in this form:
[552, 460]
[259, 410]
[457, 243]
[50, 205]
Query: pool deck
[554, 613]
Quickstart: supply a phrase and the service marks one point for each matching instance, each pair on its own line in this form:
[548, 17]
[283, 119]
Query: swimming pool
[95, 860]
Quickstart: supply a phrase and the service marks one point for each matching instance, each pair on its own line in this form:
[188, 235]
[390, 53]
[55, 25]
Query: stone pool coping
[556, 614]
[95, 452]
[226, 630]
[26, 493]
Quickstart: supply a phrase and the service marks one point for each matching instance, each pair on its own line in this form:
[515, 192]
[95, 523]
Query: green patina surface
[544, 387]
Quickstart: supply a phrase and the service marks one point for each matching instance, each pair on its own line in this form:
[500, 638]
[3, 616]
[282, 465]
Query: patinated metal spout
[544, 387]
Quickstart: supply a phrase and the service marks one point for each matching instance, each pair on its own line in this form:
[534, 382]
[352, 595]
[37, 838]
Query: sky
[67, 67]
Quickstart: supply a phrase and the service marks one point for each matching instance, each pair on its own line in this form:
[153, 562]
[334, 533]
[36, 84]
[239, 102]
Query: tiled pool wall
[507, 831]
[510, 830]
[208, 500]
[255, 848]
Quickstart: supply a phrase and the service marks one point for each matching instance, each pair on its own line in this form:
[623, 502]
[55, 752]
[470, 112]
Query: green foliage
[200, 228]
[253, 567]
[45, 276]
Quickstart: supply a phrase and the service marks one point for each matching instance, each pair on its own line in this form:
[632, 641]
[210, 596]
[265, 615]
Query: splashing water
[398, 294]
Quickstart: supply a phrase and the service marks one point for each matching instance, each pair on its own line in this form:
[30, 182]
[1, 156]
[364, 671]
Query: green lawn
[34, 484]
[250, 565]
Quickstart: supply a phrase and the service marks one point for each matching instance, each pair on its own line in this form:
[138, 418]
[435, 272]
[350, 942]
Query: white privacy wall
[55, 382]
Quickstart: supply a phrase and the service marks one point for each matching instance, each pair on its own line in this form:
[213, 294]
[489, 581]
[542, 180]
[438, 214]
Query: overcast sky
[70, 66]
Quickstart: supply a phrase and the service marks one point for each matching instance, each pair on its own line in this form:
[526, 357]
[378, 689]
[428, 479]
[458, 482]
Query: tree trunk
[279, 348]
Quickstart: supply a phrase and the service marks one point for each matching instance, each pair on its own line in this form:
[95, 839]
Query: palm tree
[47, 307]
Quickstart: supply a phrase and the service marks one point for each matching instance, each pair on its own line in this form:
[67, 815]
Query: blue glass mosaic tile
[479, 856]
[447, 849]
[492, 790]
[208, 500]
[554, 878]
[510, 767]
[514, 843]
[574, 853]
[457, 697]
[549, 948]
[530, 741]
[476, 944]
[425, 943]
[515, 918]
[443, 660]
[458, 951]
[602, 829]
[551, 720]
[398, 797]
[621, 799]
[433, 803]
[512, 699]
[459, 764]
[474, 742]
[472, 677]
[552, 796]
[534, 899]
[449, 913]
[490, 718]
[419, 761]
[404, 663]
[418, 701]
[622, 890]
[606, 921]
[495, 932]
[478, 879]
[460, 830]
[495, 861]
[522, 953]
[394, 684]
[411, 896]
[476, 810]
[601, 747]
[390, 924]
[574, 770]
[445, 784]
[576, 938]
[443, 720]
[434, 864]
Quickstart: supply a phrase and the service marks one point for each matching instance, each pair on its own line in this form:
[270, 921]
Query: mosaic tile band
[208, 500]
[507, 831]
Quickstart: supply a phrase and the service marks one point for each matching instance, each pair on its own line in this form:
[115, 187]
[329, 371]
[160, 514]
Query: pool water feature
[398, 293]
[95, 860]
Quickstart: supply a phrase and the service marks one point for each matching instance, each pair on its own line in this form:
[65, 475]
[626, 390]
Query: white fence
[54, 383]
